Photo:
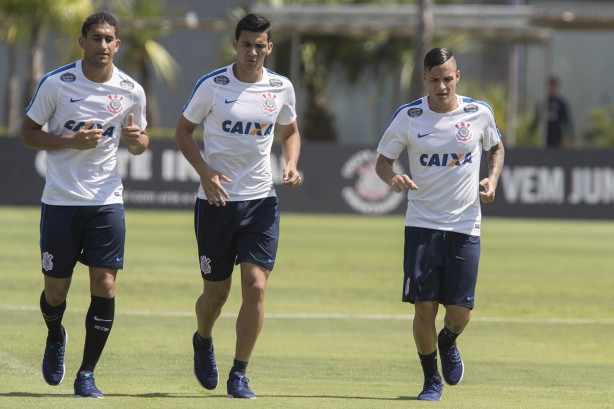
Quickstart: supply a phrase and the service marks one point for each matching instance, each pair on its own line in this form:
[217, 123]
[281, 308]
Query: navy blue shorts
[92, 235]
[243, 231]
[440, 266]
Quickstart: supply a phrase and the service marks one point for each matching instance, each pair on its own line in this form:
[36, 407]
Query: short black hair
[255, 23]
[435, 57]
[100, 17]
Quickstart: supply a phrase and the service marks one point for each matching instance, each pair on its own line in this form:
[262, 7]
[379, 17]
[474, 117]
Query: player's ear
[234, 44]
[269, 48]
[81, 41]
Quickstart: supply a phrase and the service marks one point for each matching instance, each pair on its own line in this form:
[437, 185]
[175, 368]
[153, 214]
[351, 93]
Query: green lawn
[336, 335]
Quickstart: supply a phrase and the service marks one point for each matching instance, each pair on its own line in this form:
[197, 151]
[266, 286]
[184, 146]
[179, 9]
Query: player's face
[441, 83]
[99, 45]
[251, 50]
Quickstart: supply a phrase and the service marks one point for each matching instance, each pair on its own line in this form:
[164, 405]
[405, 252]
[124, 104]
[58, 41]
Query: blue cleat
[53, 361]
[432, 389]
[205, 368]
[237, 386]
[452, 365]
[85, 387]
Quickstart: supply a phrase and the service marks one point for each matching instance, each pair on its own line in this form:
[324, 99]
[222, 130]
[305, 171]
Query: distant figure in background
[559, 128]
[88, 107]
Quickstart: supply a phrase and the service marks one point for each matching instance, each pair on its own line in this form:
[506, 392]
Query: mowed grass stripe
[189, 314]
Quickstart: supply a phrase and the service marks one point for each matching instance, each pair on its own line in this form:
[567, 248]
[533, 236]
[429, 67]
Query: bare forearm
[190, 150]
[496, 158]
[291, 149]
[41, 140]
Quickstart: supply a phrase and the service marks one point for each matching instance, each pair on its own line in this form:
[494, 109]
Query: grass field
[336, 333]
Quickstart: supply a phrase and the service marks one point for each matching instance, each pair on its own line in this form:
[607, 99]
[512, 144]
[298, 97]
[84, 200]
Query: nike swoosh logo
[76, 100]
[117, 259]
[231, 101]
[424, 134]
[100, 319]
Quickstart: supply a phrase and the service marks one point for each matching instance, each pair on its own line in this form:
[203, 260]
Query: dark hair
[100, 17]
[437, 56]
[553, 80]
[254, 23]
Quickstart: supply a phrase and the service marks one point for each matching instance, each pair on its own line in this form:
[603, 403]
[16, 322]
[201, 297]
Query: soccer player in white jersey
[236, 216]
[87, 107]
[444, 135]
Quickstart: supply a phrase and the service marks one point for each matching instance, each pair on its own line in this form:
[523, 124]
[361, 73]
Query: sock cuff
[428, 356]
[102, 303]
[45, 307]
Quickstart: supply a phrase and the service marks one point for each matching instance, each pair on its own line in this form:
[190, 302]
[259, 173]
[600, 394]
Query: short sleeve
[199, 104]
[43, 103]
[287, 114]
[394, 140]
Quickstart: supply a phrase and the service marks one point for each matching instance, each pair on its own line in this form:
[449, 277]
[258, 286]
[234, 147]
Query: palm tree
[423, 44]
[33, 20]
[141, 52]
[382, 55]
[11, 96]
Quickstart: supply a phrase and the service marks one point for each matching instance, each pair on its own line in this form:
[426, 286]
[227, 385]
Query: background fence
[340, 179]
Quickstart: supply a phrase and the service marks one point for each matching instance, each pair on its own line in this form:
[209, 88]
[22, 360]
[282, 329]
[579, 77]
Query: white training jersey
[239, 121]
[444, 161]
[66, 100]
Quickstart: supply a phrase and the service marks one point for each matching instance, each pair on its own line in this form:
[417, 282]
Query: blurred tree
[383, 55]
[600, 131]
[140, 52]
[33, 20]
[424, 42]
[350, 56]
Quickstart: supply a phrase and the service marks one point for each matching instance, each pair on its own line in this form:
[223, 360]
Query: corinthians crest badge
[269, 104]
[115, 104]
[463, 134]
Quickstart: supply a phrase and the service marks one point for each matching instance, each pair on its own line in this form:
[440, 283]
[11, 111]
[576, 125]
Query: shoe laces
[54, 353]
[453, 355]
[205, 359]
[432, 385]
[241, 382]
[87, 382]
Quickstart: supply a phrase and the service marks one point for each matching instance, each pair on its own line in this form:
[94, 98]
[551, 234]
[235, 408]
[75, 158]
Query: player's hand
[87, 137]
[212, 186]
[131, 134]
[487, 194]
[292, 178]
[401, 182]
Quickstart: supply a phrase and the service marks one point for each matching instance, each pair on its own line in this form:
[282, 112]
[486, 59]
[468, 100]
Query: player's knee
[457, 318]
[426, 310]
[254, 292]
[215, 295]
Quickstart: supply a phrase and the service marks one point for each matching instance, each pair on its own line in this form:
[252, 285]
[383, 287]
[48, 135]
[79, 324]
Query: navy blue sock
[203, 343]
[446, 338]
[53, 319]
[239, 366]
[429, 364]
[98, 323]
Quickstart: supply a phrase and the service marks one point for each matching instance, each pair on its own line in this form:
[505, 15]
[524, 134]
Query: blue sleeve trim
[49, 74]
[402, 107]
[199, 83]
[276, 74]
[470, 100]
